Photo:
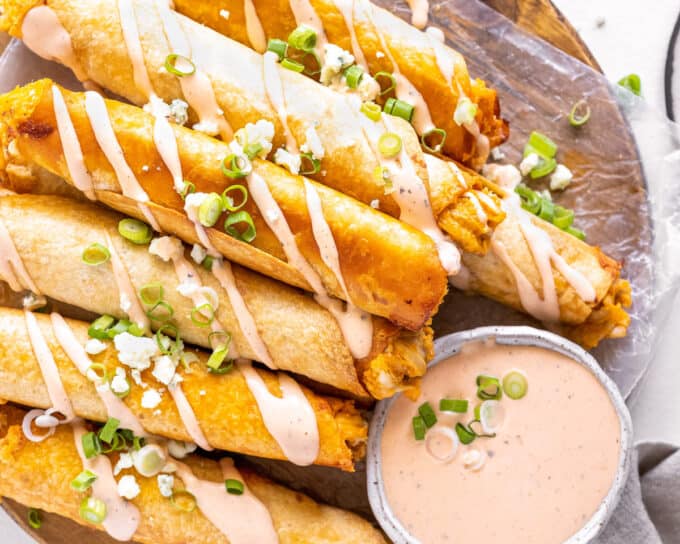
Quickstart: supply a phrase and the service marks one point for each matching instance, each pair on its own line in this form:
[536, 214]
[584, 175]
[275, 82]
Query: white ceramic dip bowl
[450, 345]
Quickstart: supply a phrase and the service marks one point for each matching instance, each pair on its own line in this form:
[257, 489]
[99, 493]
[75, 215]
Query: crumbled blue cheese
[178, 111]
[368, 88]
[179, 450]
[198, 253]
[165, 484]
[375, 204]
[289, 160]
[336, 59]
[119, 383]
[150, 399]
[561, 178]
[506, 175]
[497, 154]
[94, 346]
[224, 13]
[134, 351]
[313, 144]
[261, 133]
[167, 247]
[529, 162]
[465, 113]
[124, 461]
[164, 369]
[207, 127]
[128, 488]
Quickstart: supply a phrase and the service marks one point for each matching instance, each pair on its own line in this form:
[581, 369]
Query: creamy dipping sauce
[539, 480]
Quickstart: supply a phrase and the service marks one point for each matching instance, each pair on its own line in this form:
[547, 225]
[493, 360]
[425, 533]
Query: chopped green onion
[542, 145]
[199, 317]
[545, 167]
[183, 500]
[427, 413]
[34, 519]
[210, 209]
[234, 487]
[151, 293]
[96, 369]
[389, 145]
[293, 65]
[576, 232]
[249, 234]
[480, 433]
[93, 510]
[465, 434]
[515, 385]
[302, 38]
[228, 201]
[99, 327]
[117, 444]
[217, 362]
[426, 138]
[580, 113]
[119, 328]
[466, 111]
[563, 217]
[353, 76]
[135, 231]
[547, 212]
[314, 165]
[150, 460]
[135, 330]
[371, 110]
[138, 443]
[207, 263]
[223, 339]
[453, 405]
[478, 410]
[239, 166]
[187, 189]
[392, 82]
[83, 481]
[488, 387]
[382, 176]
[252, 150]
[165, 347]
[171, 65]
[279, 47]
[91, 445]
[419, 428]
[96, 254]
[399, 108]
[632, 83]
[107, 432]
[161, 312]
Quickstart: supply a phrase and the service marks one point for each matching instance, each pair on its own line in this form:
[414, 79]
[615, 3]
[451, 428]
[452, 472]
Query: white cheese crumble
[336, 59]
[380, 55]
[497, 154]
[465, 111]
[368, 88]
[375, 204]
[150, 399]
[165, 484]
[289, 160]
[94, 346]
[124, 461]
[164, 369]
[529, 162]
[224, 13]
[261, 133]
[207, 127]
[313, 144]
[179, 450]
[145, 168]
[128, 488]
[134, 351]
[125, 302]
[561, 178]
[506, 175]
[119, 383]
[198, 253]
[178, 111]
[167, 247]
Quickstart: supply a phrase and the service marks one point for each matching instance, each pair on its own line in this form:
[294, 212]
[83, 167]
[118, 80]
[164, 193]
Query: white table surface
[633, 38]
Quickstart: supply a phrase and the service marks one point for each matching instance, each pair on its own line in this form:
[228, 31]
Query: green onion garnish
[96, 254]
[576, 232]
[279, 47]
[34, 519]
[210, 209]
[107, 432]
[399, 108]
[161, 312]
[151, 293]
[234, 487]
[465, 434]
[217, 339]
[531, 201]
[488, 387]
[207, 263]
[249, 234]
[515, 385]
[302, 38]
[164, 341]
[542, 145]
[391, 85]
[632, 83]
[314, 164]
[389, 145]
[580, 113]
[217, 362]
[353, 76]
[427, 413]
[545, 167]
[135, 231]
[100, 371]
[228, 201]
[547, 212]
[563, 218]
[293, 65]
[187, 189]
[428, 136]
[188, 67]
[91, 445]
[371, 110]
[236, 166]
[453, 405]
[419, 428]
[93, 510]
[478, 410]
[99, 327]
[135, 330]
[480, 433]
[119, 328]
[252, 150]
[183, 500]
[83, 481]
[203, 315]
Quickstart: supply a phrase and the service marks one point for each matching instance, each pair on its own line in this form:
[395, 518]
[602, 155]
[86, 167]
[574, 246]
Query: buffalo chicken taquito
[147, 496]
[383, 263]
[245, 410]
[56, 244]
[145, 52]
[353, 40]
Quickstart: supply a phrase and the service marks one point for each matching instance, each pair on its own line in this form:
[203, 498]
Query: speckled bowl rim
[449, 345]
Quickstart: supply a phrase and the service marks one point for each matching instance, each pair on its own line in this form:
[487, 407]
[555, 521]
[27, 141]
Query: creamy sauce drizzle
[290, 419]
[304, 14]
[122, 517]
[274, 89]
[115, 407]
[481, 215]
[346, 7]
[353, 329]
[188, 417]
[254, 30]
[71, 146]
[11, 264]
[43, 33]
[48, 368]
[419, 12]
[243, 519]
[133, 44]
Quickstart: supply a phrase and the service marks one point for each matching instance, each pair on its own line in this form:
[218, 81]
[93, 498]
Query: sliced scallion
[542, 145]
[580, 113]
[279, 47]
[389, 145]
[252, 150]
[515, 385]
[160, 312]
[371, 110]
[293, 65]
[34, 519]
[93, 510]
[234, 487]
[179, 65]
[353, 76]
[183, 500]
[248, 234]
[458, 406]
[632, 83]
[217, 362]
[99, 327]
[203, 315]
[168, 345]
[83, 481]
[419, 428]
[427, 413]
[91, 445]
[465, 434]
[210, 209]
[151, 293]
[303, 38]
[228, 201]
[547, 212]
[207, 263]
[187, 189]
[96, 254]
[546, 166]
[388, 79]
[135, 231]
[100, 372]
[576, 232]
[488, 387]
[310, 164]
[437, 135]
[107, 432]
[399, 108]
[122, 326]
[236, 166]
[563, 217]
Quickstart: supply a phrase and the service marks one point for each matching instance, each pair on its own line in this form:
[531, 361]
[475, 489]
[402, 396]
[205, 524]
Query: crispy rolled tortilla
[438, 72]
[50, 234]
[39, 475]
[93, 44]
[232, 422]
[384, 262]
